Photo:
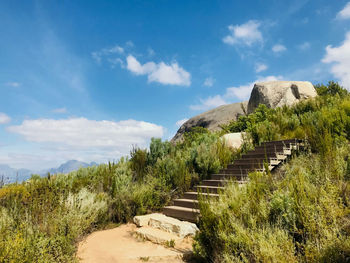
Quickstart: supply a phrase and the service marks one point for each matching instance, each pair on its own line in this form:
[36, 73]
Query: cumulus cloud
[209, 103]
[246, 34]
[209, 82]
[340, 59]
[278, 48]
[180, 122]
[81, 134]
[4, 118]
[168, 74]
[259, 67]
[345, 12]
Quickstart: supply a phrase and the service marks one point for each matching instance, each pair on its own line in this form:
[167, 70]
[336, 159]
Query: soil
[121, 245]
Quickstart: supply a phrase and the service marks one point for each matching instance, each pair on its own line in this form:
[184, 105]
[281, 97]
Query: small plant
[170, 243]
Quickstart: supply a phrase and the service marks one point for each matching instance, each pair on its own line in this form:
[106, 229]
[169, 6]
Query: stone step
[253, 161]
[251, 166]
[293, 141]
[214, 182]
[194, 195]
[183, 213]
[240, 170]
[270, 149]
[208, 189]
[259, 154]
[248, 164]
[273, 146]
[280, 144]
[233, 171]
[280, 150]
[156, 236]
[272, 161]
[189, 203]
[285, 151]
[223, 177]
[167, 224]
[263, 155]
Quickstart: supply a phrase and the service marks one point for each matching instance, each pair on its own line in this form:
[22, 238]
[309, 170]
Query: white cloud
[278, 48]
[345, 12]
[60, 110]
[209, 82]
[246, 34]
[340, 57]
[259, 67]
[162, 73]
[87, 139]
[304, 46]
[134, 66]
[105, 52]
[209, 103]
[13, 84]
[243, 92]
[4, 118]
[116, 61]
[180, 122]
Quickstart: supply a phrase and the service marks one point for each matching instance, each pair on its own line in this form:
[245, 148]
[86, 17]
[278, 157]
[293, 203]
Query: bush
[299, 217]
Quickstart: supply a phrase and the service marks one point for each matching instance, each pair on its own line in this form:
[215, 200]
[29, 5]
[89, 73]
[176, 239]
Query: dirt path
[119, 245]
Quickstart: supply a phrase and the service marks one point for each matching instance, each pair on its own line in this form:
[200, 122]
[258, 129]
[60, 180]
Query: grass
[301, 213]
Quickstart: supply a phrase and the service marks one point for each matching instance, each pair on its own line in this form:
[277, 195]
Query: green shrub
[298, 217]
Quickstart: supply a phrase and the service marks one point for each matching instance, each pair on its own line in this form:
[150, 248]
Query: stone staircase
[269, 154]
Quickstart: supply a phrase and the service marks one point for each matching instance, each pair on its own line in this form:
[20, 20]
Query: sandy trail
[118, 245]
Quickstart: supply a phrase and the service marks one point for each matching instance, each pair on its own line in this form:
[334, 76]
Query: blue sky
[87, 80]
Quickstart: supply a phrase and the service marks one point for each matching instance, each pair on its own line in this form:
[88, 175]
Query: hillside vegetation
[299, 214]
[42, 219]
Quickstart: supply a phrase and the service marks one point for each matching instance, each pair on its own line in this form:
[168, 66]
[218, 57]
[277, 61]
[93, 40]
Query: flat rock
[141, 221]
[167, 224]
[279, 93]
[156, 236]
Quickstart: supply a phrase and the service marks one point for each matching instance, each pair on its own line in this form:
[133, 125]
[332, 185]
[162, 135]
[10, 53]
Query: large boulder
[234, 140]
[279, 93]
[212, 119]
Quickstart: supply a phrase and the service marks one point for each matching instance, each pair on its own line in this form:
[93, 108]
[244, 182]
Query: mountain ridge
[11, 175]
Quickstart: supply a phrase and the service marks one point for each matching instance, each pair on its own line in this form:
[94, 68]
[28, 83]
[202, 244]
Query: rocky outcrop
[234, 140]
[273, 94]
[279, 93]
[212, 119]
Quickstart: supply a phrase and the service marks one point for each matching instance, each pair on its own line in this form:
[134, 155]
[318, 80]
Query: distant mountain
[68, 167]
[11, 175]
